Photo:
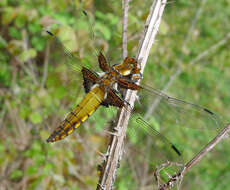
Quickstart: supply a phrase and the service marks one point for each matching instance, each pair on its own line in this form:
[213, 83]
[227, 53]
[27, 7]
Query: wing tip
[176, 150]
[50, 33]
[207, 110]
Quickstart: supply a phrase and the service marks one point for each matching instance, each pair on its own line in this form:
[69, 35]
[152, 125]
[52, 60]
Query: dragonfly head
[128, 67]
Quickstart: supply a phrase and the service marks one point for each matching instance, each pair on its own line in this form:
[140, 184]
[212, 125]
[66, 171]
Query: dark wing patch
[90, 78]
[102, 62]
[113, 100]
[123, 83]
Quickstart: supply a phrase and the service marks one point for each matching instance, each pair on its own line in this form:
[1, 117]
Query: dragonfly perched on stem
[171, 125]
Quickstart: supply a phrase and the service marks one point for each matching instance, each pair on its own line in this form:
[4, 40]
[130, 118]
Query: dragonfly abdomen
[87, 106]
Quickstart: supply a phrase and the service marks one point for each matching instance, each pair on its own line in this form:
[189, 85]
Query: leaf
[34, 27]
[16, 174]
[3, 2]
[35, 118]
[8, 15]
[48, 169]
[38, 43]
[104, 30]
[31, 170]
[5, 74]
[20, 20]
[3, 42]
[14, 33]
[68, 37]
[27, 54]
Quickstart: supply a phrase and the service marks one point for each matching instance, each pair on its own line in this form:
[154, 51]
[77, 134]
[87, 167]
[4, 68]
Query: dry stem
[177, 178]
[115, 149]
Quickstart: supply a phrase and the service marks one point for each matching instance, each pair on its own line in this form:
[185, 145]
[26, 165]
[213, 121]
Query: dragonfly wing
[185, 112]
[186, 125]
[69, 56]
[174, 131]
[90, 78]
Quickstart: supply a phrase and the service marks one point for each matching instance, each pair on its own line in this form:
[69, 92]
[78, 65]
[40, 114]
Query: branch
[125, 4]
[178, 71]
[220, 136]
[46, 62]
[115, 148]
[200, 56]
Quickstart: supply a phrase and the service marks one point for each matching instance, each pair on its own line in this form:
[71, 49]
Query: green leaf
[60, 92]
[104, 30]
[8, 15]
[2, 148]
[31, 170]
[3, 42]
[15, 33]
[24, 111]
[20, 21]
[48, 169]
[16, 174]
[27, 54]
[34, 27]
[35, 118]
[5, 74]
[3, 2]
[38, 43]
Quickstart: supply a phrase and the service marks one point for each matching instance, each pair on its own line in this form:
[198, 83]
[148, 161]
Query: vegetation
[37, 89]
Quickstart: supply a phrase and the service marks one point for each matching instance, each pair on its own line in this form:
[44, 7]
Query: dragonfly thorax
[109, 80]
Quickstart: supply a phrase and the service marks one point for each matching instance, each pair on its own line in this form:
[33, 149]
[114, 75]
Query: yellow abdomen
[87, 106]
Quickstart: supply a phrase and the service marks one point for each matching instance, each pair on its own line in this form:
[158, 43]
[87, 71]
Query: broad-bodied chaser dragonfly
[170, 115]
[100, 90]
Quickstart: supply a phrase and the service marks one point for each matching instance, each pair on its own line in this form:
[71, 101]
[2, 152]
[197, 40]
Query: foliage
[37, 89]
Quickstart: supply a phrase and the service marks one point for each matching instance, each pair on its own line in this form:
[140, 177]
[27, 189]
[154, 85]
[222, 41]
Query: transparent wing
[186, 125]
[166, 134]
[68, 56]
[180, 111]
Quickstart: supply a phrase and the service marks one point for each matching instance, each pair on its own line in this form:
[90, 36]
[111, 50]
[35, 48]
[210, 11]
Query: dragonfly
[105, 89]
[100, 90]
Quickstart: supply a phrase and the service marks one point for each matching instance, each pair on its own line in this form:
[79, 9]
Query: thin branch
[199, 57]
[211, 49]
[220, 136]
[115, 149]
[125, 4]
[178, 71]
[46, 62]
[26, 47]
[193, 23]
[28, 69]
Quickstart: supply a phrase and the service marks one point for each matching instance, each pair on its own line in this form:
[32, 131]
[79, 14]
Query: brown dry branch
[178, 177]
[115, 148]
[178, 71]
[125, 4]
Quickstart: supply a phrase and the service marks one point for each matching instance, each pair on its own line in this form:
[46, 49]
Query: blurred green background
[36, 90]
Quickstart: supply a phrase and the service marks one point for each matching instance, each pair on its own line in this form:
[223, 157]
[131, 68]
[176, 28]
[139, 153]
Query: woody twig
[115, 149]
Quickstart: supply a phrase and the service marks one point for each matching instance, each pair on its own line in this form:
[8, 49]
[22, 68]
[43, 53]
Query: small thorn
[116, 129]
[111, 133]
